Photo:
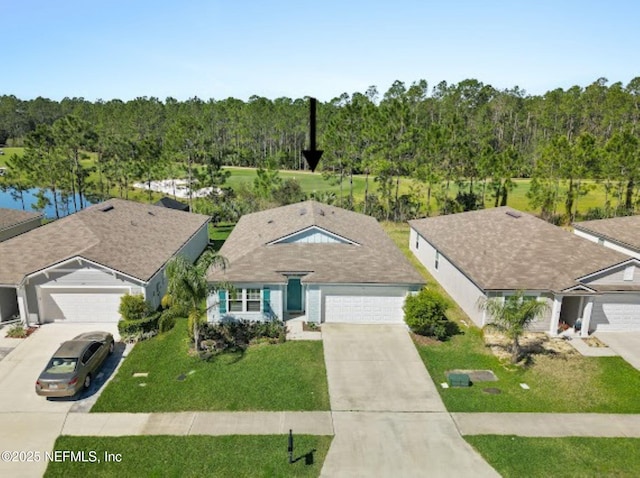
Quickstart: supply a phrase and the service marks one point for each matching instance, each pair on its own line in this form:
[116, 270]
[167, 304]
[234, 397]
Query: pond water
[10, 199]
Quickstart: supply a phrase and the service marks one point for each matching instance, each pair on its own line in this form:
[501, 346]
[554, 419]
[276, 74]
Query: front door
[294, 294]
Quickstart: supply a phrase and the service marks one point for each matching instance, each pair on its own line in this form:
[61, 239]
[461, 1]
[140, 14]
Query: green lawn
[557, 383]
[192, 456]
[514, 456]
[289, 376]
[219, 233]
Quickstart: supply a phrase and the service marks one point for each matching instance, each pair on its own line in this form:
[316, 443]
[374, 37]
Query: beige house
[312, 260]
[495, 252]
[77, 268]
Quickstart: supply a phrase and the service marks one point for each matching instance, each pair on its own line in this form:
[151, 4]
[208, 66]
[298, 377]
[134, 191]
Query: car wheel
[87, 381]
[111, 348]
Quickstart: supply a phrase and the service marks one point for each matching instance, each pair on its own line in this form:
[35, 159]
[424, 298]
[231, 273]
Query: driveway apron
[626, 344]
[388, 417]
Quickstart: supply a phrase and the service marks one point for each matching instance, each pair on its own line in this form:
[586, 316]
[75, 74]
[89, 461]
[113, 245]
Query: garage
[364, 308]
[79, 304]
[616, 312]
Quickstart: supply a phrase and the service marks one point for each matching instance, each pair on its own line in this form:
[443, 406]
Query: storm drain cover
[181, 377]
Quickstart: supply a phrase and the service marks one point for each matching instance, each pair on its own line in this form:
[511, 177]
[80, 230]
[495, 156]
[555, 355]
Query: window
[253, 300]
[417, 241]
[437, 259]
[244, 300]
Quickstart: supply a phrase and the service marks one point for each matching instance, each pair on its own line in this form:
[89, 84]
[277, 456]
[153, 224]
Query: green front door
[294, 294]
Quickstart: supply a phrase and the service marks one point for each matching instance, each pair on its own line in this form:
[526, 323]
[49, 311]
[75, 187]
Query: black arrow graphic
[312, 155]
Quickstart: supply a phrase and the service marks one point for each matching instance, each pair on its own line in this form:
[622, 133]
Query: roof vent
[150, 213]
[322, 212]
[303, 211]
[514, 214]
[270, 221]
[107, 208]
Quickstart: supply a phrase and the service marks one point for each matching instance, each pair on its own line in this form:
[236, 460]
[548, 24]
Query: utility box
[459, 380]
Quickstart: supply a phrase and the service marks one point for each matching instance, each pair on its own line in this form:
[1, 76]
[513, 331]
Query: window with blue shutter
[222, 306]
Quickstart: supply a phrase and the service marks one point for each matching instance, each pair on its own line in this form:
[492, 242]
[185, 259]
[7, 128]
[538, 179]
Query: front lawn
[557, 383]
[191, 456]
[561, 384]
[515, 456]
[288, 376]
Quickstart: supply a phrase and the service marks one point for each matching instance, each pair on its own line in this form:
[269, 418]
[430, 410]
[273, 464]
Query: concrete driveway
[388, 417]
[625, 344]
[29, 422]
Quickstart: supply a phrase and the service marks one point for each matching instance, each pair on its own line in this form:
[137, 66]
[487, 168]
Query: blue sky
[99, 49]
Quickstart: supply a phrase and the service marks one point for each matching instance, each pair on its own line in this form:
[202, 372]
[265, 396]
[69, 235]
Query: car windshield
[61, 365]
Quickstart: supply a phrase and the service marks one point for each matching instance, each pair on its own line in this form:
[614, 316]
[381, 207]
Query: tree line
[468, 135]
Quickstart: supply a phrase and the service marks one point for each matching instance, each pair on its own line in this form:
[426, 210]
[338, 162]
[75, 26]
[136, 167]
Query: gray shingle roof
[500, 252]
[13, 217]
[623, 230]
[133, 238]
[373, 259]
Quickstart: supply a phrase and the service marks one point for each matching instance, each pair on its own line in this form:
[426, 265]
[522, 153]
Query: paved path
[548, 424]
[388, 417]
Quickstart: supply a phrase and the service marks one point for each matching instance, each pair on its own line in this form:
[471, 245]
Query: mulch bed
[422, 340]
[28, 330]
[307, 328]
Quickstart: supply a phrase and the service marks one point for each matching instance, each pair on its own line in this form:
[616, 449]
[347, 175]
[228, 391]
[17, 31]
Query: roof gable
[312, 235]
[622, 230]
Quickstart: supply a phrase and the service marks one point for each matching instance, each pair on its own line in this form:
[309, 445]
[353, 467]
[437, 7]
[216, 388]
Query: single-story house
[619, 233]
[171, 203]
[495, 252]
[77, 268]
[15, 221]
[309, 259]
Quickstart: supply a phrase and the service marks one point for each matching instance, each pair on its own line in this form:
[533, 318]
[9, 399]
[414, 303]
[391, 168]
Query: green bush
[133, 307]
[237, 335]
[130, 329]
[167, 320]
[17, 332]
[425, 315]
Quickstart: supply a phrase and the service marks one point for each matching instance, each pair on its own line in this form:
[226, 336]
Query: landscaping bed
[276, 377]
[515, 456]
[191, 456]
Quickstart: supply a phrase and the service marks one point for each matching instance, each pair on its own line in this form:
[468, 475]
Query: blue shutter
[222, 306]
[266, 301]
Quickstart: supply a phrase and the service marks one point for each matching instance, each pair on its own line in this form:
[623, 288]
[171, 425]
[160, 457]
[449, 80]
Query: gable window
[244, 300]
[628, 273]
[417, 241]
[437, 259]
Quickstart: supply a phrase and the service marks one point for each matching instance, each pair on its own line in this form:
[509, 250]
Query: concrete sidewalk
[198, 423]
[548, 424]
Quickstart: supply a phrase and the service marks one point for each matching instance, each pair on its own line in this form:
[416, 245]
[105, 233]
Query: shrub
[425, 315]
[237, 335]
[133, 330]
[133, 307]
[17, 332]
[168, 320]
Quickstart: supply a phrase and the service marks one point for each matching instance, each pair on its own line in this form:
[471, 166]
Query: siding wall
[312, 236]
[616, 277]
[606, 243]
[457, 285]
[314, 304]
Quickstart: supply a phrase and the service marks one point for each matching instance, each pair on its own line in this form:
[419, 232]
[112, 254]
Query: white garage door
[364, 309]
[81, 305]
[617, 312]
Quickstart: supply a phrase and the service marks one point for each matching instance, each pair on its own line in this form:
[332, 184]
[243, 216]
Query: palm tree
[188, 288]
[512, 317]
